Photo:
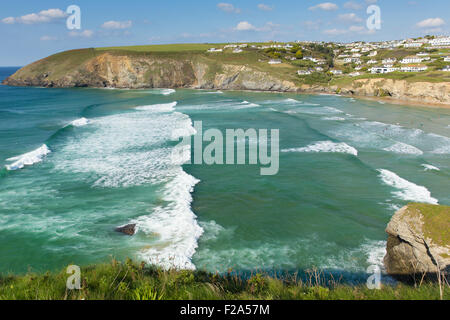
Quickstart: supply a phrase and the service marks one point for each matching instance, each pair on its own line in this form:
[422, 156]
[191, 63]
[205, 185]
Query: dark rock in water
[129, 229]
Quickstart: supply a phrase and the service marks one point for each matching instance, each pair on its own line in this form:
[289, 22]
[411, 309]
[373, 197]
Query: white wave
[167, 92]
[333, 119]
[326, 146]
[406, 190]
[210, 92]
[80, 122]
[404, 148]
[316, 110]
[175, 225]
[133, 149]
[429, 167]
[442, 150]
[166, 107]
[375, 252]
[28, 159]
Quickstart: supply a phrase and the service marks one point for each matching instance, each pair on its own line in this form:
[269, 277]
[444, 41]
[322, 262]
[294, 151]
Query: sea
[77, 163]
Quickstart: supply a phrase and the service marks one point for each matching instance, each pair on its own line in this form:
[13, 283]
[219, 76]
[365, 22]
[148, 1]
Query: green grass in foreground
[127, 281]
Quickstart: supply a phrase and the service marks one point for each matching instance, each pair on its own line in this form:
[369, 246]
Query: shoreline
[391, 100]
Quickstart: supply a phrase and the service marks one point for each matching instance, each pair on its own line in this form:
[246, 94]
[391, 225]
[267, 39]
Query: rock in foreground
[419, 241]
[129, 229]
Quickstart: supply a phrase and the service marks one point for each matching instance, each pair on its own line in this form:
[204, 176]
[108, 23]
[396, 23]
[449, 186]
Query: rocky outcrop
[418, 241]
[129, 229]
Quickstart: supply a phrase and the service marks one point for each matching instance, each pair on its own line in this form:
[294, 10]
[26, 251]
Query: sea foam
[403, 148]
[327, 147]
[406, 190]
[80, 122]
[165, 107]
[28, 159]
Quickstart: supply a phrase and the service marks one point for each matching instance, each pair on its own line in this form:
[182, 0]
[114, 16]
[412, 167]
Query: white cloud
[117, 25]
[352, 5]
[245, 26]
[371, 1]
[45, 16]
[327, 6]
[228, 7]
[9, 20]
[349, 17]
[264, 7]
[335, 32]
[82, 34]
[431, 23]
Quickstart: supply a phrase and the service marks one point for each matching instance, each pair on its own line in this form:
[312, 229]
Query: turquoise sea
[76, 163]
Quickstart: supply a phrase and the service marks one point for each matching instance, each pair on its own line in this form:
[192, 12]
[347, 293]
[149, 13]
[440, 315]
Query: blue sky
[31, 30]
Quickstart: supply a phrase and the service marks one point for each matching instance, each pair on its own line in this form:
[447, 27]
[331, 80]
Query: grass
[128, 281]
[165, 47]
[436, 221]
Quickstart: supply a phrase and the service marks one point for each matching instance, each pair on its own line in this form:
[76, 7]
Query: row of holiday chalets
[411, 55]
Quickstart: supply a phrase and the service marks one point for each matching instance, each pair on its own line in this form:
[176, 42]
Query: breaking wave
[28, 159]
[406, 190]
[327, 147]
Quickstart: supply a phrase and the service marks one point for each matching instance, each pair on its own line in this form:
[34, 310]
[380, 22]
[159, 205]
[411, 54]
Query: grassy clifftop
[127, 281]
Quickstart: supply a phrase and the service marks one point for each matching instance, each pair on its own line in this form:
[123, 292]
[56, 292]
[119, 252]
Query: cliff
[198, 70]
[116, 69]
[419, 241]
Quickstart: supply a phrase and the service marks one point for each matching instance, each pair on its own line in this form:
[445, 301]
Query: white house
[414, 44]
[354, 74]
[423, 54]
[373, 54]
[446, 69]
[237, 50]
[411, 59]
[215, 50]
[414, 68]
[442, 41]
[336, 72]
[447, 59]
[372, 62]
[389, 61]
[303, 72]
[319, 69]
[376, 70]
[275, 61]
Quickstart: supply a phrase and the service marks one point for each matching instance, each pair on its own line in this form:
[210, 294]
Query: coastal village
[325, 61]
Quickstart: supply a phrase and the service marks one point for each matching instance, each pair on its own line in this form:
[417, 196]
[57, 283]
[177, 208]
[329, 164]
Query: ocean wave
[28, 159]
[80, 122]
[407, 190]
[403, 148]
[167, 92]
[165, 107]
[327, 147]
[429, 167]
[333, 119]
[175, 225]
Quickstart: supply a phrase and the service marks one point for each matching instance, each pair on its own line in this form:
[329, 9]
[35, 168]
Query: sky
[31, 30]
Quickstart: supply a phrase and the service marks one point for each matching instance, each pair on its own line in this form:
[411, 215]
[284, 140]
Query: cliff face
[427, 92]
[419, 241]
[116, 69]
[146, 71]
